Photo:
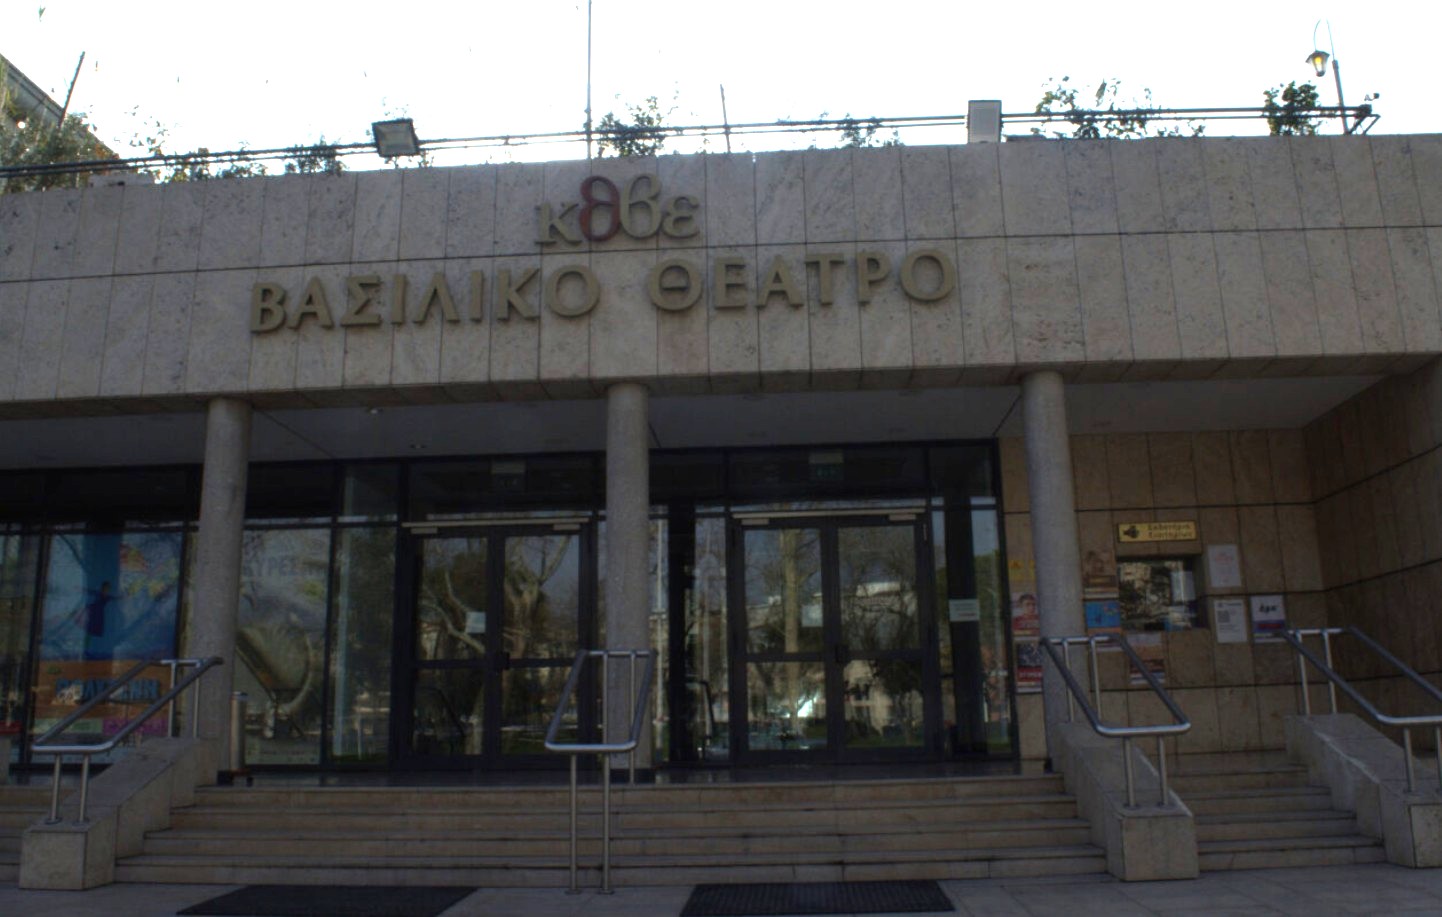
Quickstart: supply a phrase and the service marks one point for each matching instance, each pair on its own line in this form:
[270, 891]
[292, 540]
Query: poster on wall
[1153, 654]
[1028, 667]
[1025, 619]
[1269, 618]
[1104, 616]
[1229, 620]
[1224, 566]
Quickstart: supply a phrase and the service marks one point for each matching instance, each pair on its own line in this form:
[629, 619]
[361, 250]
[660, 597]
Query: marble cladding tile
[976, 190]
[330, 218]
[1356, 181]
[785, 337]
[1212, 458]
[1301, 565]
[880, 201]
[984, 280]
[1201, 324]
[1252, 466]
[1317, 185]
[1101, 284]
[1362, 515]
[938, 332]
[19, 220]
[55, 234]
[1261, 549]
[1045, 304]
[835, 329]
[1405, 500]
[1244, 296]
[425, 197]
[1290, 293]
[887, 336]
[623, 327]
[1015, 492]
[1334, 292]
[99, 227]
[320, 351]
[1417, 412]
[1417, 298]
[1229, 186]
[1291, 481]
[682, 348]
[1239, 725]
[1189, 659]
[1384, 528]
[471, 212]
[182, 216]
[12, 331]
[1095, 541]
[1091, 189]
[1150, 299]
[284, 214]
[82, 345]
[1033, 183]
[1427, 161]
[1139, 191]
[685, 176]
[733, 342]
[232, 215]
[1201, 707]
[926, 193]
[1185, 199]
[416, 345]
[218, 357]
[1174, 480]
[519, 187]
[1129, 471]
[1274, 182]
[565, 338]
[37, 376]
[561, 184]
[273, 355]
[466, 345]
[167, 337]
[515, 331]
[780, 198]
[1218, 525]
[1392, 159]
[729, 207]
[1349, 418]
[377, 216]
[1090, 482]
[122, 364]
[1381, 320]
[831, 211]
[367, 352]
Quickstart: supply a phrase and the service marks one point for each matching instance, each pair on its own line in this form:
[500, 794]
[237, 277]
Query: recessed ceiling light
[373, 411]
[417, 447]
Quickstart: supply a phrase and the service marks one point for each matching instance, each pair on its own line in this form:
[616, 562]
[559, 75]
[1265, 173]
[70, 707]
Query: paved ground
[1375, 889]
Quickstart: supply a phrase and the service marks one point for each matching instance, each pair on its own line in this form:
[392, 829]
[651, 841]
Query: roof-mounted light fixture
[396, 138]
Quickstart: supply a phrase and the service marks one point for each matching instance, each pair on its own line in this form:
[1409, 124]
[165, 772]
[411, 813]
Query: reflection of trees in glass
[705, 641]
[18, 558]
[783, 599]
[879, 612]
[361, 643]
[541, 615]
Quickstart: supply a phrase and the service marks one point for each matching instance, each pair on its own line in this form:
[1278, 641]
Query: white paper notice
[1224, 566]
[1229, 620]
[1269, 616]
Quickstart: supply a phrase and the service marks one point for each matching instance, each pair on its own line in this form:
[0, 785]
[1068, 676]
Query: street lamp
[396, 138]
[1318, 59]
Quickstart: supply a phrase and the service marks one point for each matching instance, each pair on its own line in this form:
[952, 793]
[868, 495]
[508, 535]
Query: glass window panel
[22, 496]
[449, 712]
[1158, 594]
[786, 706]
[116, 496]
[19, 562]
[883, 704]
[360, 665]
[659, 568]
[962, 470]
[280, 642]
[290, 492]
[530, 696]
[110, 601]
[370, 492]
[783, 590]
[707, 668]
[542, 596]
[986, 555]
[877, 570]
[451, 608]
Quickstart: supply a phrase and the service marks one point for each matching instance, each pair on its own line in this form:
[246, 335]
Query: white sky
[268, 74]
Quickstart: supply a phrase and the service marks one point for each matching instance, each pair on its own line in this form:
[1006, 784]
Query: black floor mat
[817, 898]
[331, 901]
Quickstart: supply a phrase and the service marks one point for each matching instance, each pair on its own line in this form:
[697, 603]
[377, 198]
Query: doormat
[331, 901]
[911, 897]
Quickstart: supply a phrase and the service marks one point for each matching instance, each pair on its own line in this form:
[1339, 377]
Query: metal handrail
[638, 700]
[1294, 637]
[88, 750]
[1078, 695]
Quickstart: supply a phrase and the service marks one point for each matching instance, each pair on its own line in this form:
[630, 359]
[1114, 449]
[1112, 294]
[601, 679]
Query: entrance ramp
[794, 831]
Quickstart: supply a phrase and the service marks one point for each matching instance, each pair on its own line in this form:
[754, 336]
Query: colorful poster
[1104, 616]
[1025, 619]
[1269, 618]
[1028, 667]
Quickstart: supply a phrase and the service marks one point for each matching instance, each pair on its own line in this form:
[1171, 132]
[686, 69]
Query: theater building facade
[839, 433]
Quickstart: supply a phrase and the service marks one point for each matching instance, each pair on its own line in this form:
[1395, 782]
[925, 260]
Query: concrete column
[215, 598]
[628, 503]
[1053, 525]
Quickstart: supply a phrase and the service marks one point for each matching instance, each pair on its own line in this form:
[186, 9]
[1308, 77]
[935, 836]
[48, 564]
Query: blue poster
[111, 596]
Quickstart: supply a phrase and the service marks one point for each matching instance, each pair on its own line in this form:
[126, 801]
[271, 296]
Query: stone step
[1238, 780]
[695, 841]
[1267, 799]
[553, 871]
[1289, 852]
[1303, 824]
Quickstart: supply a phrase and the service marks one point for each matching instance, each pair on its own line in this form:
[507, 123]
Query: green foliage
[37, 144]
[320, 158]
[856, 133]
[1293, 117]
[1105, 118]
[643, 136]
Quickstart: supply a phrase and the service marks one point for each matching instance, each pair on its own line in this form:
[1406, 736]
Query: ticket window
[1158, 594]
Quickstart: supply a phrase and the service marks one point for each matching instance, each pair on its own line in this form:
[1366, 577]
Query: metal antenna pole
[65, 109]
[588, 80]
[725, 121]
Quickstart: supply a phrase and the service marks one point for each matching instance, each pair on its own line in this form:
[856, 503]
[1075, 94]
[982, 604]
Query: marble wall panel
[1239, 723]
[12, 331]
[682, 348]
[19, 218]
[565, 339]
[780, 198]
[1150, 298]
[415, 345]
[785, 335]
[1015, 493]
[231, 228]
[1290, 293]
[1046, 312]
[926, 193]
[122, 369]
[1392, 160]
[880, 201]
[1139, 191]
[218, 356]
[1244, 295]
[1334, 292]
[1301, 563]
[284, 215]
[1404, 502]
[729, 206]
[830, 198]
[976, 190]
[1417, 299]
[424, 204]
[366, 360]
[984, 281]
[1356, 181]
[466, 345]
[1185, 197]
[1129, 471]
[623, 326]
[182, 216]
[1381, 320]
[1427, 161]
[1317, 185]
[330, 218]
[835, 329]
[1229, 186]
[471, 212]
[1201, 324]
[55, 234]
[685, 175]
[1033, 184]
[167, 340]
[519, 190]
[1291, 480]
[1261, 549]
[377, 232]
[273, 355]
[99, 227]
[1091, 189]
[1174, 480]
[320, 351]
[1090, 482]
[1252, 466]
[82, 346]
[1212, 459]
[733, 337]
[1274, 182]
[890, 322]
[515, 335]
[1101, 284]
[563, 183]
[38, 372]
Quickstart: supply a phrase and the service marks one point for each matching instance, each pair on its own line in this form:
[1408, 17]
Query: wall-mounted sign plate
[1129, 532]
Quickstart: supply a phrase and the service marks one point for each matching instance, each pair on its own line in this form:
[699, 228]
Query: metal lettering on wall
[639, 210]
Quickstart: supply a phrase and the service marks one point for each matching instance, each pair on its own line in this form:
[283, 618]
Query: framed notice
[1028, 667]
[1269, 617]
[1229, 620]
[1224, 566]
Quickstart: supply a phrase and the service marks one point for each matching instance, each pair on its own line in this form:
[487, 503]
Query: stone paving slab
[1343, 890]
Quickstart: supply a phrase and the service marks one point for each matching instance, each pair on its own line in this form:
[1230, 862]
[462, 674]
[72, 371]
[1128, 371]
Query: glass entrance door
[830, 631]
[498, 615]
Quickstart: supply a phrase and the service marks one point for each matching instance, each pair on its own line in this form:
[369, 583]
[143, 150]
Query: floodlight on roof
[396, 138]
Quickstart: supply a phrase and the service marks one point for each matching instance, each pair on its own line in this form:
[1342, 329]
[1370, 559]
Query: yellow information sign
[1156, 531]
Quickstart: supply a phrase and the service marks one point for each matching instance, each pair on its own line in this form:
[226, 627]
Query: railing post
[54, 817]
[1127, 766]
[1162, 769]
[575, 888]
[1070, 701]
[605, 824]
[1411, 766]
[84, 785]
[1327, 649]
[195, 708]
[170, 711]
[1096, 679]
[1302, 673]
[630, 704]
